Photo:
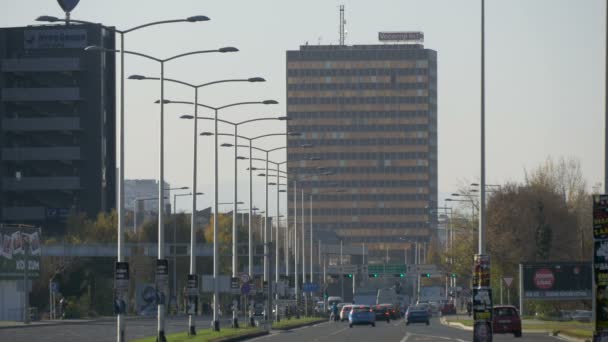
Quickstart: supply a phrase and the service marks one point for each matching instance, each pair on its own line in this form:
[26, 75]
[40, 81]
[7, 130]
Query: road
[393, 331]
[325, 332]
[100, 331]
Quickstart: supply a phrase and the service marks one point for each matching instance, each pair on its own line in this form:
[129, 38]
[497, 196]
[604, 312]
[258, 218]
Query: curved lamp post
[216, 323]
[196, 87]
[161, 229]
[121, 173]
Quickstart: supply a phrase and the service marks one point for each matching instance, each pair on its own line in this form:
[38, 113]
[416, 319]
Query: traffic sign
[244, 277]
[310, 287]
[508, 281]
[54, 287]
[349, 269]
[234, 283]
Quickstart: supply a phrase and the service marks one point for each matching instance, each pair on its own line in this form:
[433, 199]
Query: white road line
[404, 339]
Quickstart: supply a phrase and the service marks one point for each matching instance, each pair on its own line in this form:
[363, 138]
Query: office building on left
[57, 127]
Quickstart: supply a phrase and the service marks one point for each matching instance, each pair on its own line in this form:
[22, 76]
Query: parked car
[361, 315]
[506, 320]
[582, 316]
[391, 309]
[344, 312]
[417, 314]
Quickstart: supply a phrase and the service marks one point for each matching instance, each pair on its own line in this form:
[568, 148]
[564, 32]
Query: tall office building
[370, 112]
[57, 128]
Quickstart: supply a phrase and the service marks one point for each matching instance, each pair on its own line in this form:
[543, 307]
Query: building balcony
[41, 153]
[40, 183]
[40, 94]
[40, 65]
[41, 124]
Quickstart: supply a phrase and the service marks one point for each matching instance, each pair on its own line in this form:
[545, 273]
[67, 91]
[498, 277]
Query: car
[417, 314]
[506, 320]
[391, 309]
[344, 312]
[448, 309]
[381, 313]
[426, 306]
[361, 315]
[582, 316]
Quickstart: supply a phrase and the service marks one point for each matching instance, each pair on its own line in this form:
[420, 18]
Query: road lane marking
[404, 339]
[434, 337]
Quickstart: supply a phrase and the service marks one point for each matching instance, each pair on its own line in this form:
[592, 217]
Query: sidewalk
[15, 324]
[452, 321]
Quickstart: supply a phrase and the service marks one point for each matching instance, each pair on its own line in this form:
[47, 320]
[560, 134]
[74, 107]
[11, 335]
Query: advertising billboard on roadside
[19, 245]
[559, 280]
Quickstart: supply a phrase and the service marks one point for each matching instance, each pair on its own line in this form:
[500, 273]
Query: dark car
[382, 313]
[505, 320]
[417, 314]
[448, 309]
[392, 310]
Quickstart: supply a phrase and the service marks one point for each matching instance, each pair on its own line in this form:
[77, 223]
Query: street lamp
[161, 260]
[196, 87]
[121, 174]
[216, 323]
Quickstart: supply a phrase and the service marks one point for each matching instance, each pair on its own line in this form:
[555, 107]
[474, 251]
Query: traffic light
[325, 294]
[399, 275]
[454, 275]
[373, 275]
[426, 275]
[348, 276]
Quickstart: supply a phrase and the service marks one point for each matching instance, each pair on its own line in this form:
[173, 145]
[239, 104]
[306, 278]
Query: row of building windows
[370, 197]
[362, 155]
[356, 72]
[368, 183]
[357, 86]
[357, 100]
[359, 142]
[365, 170]
[357, 54]
[362, 128]
[359, 115]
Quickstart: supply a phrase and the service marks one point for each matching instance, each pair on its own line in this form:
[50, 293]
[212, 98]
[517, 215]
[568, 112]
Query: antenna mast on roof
[342, 23]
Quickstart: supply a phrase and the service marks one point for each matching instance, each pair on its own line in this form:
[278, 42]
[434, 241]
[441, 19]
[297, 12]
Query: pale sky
[544, 74]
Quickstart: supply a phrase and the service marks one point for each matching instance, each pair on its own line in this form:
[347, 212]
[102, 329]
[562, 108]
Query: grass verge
[286, 324]
[205, 335]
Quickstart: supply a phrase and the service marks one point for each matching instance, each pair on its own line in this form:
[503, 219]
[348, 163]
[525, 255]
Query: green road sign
[387, 269]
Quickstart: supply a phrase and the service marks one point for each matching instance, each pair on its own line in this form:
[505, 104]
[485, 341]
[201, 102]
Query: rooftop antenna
[342, 23]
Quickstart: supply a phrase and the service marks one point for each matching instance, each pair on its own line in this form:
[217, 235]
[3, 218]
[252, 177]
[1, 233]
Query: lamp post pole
[120, 325]
[295, 245]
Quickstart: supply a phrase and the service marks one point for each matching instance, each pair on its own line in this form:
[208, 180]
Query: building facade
[370, 114]
[57, 128]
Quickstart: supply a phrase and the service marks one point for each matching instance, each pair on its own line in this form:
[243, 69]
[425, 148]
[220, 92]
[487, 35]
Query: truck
[431, 294]
[365, 298]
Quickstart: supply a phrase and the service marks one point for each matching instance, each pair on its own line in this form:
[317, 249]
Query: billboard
[19, 243]
[559, 280]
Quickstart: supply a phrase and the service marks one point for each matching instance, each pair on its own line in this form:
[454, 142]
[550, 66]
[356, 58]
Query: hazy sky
[544, 74]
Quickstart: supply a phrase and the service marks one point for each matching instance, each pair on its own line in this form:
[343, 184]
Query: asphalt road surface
[384, 332]
[325, 332]
[100, 331]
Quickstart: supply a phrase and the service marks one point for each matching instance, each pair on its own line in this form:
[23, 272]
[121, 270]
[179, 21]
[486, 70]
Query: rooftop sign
[401, 36]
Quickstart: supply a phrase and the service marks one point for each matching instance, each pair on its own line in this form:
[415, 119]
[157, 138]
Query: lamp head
[93, 48]
[164, 101]
[241, 158]
[262, 175]
[197, 18]
[228, 49]
[186, 116]
[256, 79]
[283, 118]
[294, 134]
[137, 77]
[266, 102]
[206, 134]
[226, 145]
[47, 18]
